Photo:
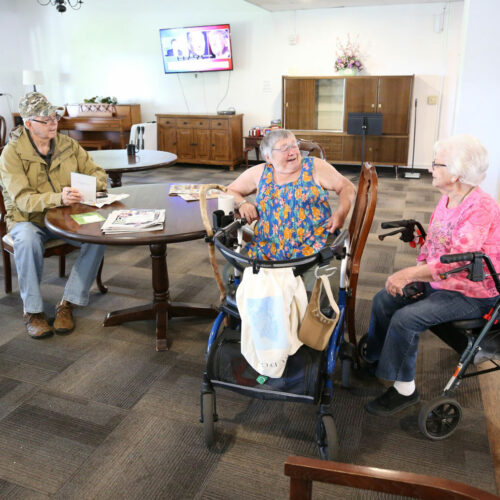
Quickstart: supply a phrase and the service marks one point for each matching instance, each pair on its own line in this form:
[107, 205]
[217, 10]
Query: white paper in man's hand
[87, 185]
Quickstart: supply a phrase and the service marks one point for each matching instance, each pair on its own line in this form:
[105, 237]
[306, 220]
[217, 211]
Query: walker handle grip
[395, 223]
[457, 257]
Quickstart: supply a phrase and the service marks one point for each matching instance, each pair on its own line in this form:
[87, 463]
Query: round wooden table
[182, 223]
[116, 161]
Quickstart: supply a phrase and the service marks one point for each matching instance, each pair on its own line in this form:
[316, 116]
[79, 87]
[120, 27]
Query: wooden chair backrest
[312, 148]
[359, 228]
[303, 471]
[3, 132]
[362, 214]
[3, 212]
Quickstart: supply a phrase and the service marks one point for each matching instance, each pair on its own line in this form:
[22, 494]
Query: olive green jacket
[29, 187]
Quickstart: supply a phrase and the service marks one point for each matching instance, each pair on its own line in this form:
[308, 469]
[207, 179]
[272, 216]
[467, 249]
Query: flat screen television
[196, 48]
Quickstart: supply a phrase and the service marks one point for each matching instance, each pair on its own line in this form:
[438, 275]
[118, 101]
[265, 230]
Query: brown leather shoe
[37, 325]
[63, 322]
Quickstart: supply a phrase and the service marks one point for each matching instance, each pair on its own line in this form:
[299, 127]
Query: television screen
[196, 49]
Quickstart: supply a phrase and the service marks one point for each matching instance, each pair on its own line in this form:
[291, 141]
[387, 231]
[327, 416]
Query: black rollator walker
[475, 340]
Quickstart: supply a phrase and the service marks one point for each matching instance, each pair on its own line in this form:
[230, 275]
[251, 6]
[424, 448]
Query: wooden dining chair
[303, 471]
[3, 133]
[52, 247]
[310, 148]
[359, 228]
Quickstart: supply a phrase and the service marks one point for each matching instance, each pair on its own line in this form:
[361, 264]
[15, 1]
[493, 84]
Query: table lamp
[32, 78]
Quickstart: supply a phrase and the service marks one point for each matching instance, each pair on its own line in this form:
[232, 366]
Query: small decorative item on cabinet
[348, 61]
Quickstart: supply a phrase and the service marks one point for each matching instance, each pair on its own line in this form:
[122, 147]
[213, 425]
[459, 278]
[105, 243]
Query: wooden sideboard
[88, 128]
[316, 108]
[202, 139]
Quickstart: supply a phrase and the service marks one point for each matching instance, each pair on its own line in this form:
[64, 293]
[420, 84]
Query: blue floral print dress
[292, 216]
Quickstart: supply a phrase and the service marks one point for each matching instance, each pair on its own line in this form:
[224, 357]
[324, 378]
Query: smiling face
[285, 155]
[196, 42]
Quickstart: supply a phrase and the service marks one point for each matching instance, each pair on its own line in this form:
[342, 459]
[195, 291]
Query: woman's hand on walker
[248, 211]
[395, 282]
[336, 221]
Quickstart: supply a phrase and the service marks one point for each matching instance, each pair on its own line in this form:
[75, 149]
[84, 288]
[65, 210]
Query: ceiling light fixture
[60, 5]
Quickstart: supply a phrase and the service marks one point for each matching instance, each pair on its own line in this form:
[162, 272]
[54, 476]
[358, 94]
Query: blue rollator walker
[475, 340]
[308, 373]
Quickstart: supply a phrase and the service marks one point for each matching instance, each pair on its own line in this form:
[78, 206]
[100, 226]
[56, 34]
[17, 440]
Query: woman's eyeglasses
[48, 120]
[435, 165]
[285, 149]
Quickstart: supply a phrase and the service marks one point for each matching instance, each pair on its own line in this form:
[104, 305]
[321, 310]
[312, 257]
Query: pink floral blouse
[472, 226]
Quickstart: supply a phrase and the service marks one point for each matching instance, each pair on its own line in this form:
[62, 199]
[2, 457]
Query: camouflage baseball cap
[36, 104]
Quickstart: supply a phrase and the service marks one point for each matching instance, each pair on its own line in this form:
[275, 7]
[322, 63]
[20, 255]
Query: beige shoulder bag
[316, 328]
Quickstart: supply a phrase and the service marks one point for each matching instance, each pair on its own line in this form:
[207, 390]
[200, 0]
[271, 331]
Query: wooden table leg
[115, 177]
[161, 309]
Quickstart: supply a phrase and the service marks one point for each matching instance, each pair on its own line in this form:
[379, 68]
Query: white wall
[480, 84]
[113, 48]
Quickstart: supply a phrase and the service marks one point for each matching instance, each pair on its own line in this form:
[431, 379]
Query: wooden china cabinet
[317, 108]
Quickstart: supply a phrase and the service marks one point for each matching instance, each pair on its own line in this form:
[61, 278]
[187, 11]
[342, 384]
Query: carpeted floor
[100, 414]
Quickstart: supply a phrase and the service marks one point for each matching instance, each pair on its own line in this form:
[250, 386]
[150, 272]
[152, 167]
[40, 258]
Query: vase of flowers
[348, 61]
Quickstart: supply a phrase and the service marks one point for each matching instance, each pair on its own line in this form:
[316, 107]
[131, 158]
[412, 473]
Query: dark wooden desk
[182, 223]
[116, 162]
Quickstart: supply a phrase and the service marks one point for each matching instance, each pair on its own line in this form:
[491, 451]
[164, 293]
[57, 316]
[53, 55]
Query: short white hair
[267, 144]
[466, 158]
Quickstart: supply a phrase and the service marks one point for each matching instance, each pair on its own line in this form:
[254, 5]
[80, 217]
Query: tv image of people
[219, 43]
[197, 44]
[178, 49]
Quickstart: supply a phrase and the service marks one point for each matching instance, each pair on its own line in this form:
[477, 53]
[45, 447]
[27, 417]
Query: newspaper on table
[134, 220]
[190, 192]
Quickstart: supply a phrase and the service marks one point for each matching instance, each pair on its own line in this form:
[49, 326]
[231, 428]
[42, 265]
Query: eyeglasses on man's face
[286, 148]
[436, 165]
[54, 118]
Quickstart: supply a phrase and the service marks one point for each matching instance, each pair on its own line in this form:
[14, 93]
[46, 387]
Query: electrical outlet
[432, 99]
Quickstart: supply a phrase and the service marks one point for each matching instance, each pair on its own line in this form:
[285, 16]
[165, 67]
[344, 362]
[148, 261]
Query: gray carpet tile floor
[100, 414]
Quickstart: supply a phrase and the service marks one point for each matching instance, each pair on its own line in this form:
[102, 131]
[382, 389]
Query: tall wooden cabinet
[317, 108]
[205, 139]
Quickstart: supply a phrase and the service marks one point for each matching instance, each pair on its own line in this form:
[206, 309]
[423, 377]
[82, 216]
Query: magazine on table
[134, 220]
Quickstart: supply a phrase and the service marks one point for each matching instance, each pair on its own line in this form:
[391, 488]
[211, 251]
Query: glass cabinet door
[329, 106]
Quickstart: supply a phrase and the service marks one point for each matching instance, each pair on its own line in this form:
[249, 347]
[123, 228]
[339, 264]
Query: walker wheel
[327, 438]
[439, 418]
[207, 411]
[362, 346]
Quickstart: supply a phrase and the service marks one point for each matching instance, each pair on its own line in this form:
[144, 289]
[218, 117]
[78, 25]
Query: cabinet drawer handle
[219, 124]
[201, 123]
[213, 145]
[174, 143]
[193, 144]
[185, 123]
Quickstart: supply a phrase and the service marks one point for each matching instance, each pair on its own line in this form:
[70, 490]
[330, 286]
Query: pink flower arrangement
[348, 56]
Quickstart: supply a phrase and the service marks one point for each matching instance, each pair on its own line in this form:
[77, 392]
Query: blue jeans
[396, 323]
[29, 240]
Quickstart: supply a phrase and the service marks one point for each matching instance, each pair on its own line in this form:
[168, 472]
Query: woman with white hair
[466, 219]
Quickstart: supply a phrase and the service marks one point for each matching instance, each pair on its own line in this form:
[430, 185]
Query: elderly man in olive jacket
[35, 175]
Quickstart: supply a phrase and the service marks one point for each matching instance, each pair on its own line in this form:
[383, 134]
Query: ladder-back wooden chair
[359, 228]
[303, 471]
[52, 247]
[3, 133]
[311, 148]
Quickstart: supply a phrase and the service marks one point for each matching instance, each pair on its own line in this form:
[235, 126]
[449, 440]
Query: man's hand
[71, 196]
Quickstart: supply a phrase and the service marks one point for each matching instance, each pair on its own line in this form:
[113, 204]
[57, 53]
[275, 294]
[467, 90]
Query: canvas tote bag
[316, 328]
[271, 304]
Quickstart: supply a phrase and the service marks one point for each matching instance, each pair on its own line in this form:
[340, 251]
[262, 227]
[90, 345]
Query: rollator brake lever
[392, 233]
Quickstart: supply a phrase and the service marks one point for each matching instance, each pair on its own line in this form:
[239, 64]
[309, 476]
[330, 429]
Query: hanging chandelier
[60, 5]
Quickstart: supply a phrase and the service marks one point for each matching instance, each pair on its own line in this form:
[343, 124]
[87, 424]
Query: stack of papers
[190, 192]
[133, 221]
